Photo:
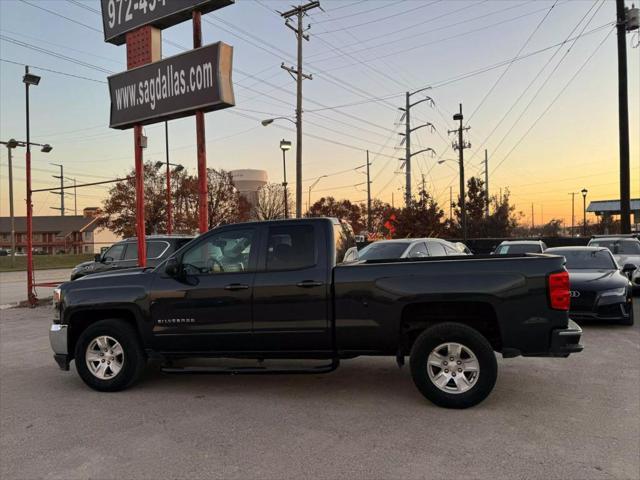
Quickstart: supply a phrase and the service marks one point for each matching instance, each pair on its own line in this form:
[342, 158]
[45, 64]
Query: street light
[29, 79]
[298, 124]
[584, 211]
[178, 168]
[284, 146]
[311, 187]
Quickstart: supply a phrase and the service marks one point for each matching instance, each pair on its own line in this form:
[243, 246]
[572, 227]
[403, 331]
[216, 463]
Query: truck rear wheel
[453, 365]
[108, 356]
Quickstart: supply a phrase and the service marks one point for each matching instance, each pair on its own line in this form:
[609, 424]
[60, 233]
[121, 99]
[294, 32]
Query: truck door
[292, 289]
[208, 306]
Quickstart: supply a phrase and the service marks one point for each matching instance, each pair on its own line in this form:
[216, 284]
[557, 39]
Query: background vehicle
[124, 254]
[266, 290]
[409, 248]
[599, 290]
[625, 249]
[520, 246]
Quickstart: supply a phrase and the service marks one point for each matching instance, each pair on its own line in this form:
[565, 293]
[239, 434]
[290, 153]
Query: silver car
[625, 250]
[409, 248]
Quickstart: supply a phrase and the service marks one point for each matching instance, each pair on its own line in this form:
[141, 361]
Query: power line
[504, 72]
[62, 16]
[424, 5]
[379, 56]
[44, 69]
[554, 100]
[55, 54]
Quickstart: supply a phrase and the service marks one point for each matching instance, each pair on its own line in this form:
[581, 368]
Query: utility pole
[486, 181]
[11, 144]
[61, 193]
[623, 116]
[368, 195]
[296, 73]
[460, 146]
[573, 209]
[451, 203]
[407, 138]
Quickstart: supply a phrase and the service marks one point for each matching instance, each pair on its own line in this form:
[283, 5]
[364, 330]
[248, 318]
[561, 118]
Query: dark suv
[124, 254]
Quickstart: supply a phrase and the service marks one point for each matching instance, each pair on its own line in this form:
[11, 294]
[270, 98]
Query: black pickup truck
[277, 290]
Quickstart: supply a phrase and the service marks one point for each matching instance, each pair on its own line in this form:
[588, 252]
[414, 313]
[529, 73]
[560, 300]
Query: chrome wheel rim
[453, 367]
[104, 357]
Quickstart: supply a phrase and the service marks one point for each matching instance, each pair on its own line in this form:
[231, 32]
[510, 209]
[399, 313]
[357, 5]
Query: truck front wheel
[108, 356]
[453, 365]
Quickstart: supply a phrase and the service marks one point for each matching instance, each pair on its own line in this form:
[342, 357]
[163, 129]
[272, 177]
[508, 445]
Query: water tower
[248, 181]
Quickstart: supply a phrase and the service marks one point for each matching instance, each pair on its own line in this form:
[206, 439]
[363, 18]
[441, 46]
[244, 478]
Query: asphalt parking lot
[575, 418]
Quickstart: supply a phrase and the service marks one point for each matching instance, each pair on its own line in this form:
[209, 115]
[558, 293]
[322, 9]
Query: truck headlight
[57, 295]
[615, 292]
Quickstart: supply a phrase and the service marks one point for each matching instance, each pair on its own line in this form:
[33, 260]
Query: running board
[251, 370]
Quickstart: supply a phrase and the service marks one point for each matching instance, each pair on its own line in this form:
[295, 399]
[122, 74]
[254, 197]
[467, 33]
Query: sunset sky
[548, 119]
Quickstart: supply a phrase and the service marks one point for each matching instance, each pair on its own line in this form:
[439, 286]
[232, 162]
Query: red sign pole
[203, 195]
[140, 233]
[143, 47]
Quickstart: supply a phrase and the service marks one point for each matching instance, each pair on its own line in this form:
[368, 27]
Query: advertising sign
[122, 16]
[175, 87]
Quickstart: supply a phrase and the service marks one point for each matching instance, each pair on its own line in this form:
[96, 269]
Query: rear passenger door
[291, 289]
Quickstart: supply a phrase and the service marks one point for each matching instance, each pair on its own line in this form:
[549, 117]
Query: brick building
[53, 233]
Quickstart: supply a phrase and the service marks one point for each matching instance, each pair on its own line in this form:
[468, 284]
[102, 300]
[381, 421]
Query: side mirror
[172, 268]
[629, 267]
[97, 257]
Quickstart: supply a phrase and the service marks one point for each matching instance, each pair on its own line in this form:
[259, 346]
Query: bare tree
[270, 202]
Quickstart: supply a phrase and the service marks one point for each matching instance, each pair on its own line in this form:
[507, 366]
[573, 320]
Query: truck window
[154, 250]
[226, 251]
[291, 247]
[114, 253]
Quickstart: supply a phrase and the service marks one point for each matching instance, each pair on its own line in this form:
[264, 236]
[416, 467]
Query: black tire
[134, 359]
[474, 341]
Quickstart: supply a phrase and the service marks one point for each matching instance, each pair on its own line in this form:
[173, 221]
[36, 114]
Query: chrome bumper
[58, 339]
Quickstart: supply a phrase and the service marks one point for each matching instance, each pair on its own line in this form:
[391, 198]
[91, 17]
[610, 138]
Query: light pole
[29, 79]
[284, 146]
[178, 168]
[297, 123]
[584, 211]
[311, 187]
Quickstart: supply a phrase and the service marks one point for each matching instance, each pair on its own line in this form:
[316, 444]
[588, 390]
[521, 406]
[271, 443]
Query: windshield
[587, 259]
[623, 247]
[518, 248]
[382, 250]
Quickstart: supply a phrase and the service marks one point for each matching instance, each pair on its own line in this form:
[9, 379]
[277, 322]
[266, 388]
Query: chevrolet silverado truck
[277, 290]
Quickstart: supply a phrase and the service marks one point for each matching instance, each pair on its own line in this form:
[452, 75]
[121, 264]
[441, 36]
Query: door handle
[309, 284]
[236, 286]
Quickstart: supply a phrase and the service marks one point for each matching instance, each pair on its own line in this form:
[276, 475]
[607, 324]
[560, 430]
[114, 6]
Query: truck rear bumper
[565, 341]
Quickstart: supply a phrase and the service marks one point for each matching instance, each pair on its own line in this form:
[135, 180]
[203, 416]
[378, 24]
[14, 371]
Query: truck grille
[584, 302]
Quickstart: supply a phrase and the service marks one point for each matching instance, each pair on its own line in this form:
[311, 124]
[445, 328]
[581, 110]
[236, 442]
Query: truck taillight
[558, 284]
